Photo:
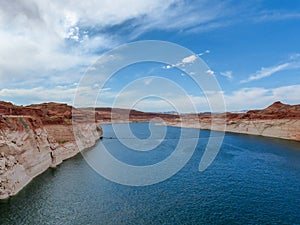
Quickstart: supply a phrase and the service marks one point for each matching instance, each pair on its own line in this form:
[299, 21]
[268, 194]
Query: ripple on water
[253, 180]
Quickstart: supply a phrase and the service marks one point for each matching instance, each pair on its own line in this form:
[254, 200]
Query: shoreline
[286, 135]
[39, 154]
[16, 191]
[261, 128]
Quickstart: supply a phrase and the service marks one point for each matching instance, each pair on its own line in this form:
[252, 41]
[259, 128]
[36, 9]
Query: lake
[253, 180]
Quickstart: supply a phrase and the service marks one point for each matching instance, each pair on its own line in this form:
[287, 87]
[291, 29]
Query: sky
[251, 49]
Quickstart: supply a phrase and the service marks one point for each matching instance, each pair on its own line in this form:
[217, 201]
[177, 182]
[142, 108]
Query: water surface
[253, 180]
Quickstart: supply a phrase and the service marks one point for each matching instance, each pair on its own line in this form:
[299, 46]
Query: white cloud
[227, 74]
[185, 61]
[37, 37]
[189, 59]
[147, 81]
[210, 72]
[276, 16]
[255, 98]
[57, 94]
[265, 72]
[295, 56]
[38, 94]
[293, 63]
[289, 94]
[245, 98]
[203, 53]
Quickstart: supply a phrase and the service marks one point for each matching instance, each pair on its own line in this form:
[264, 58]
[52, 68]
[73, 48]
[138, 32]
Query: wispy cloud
[244, 98]
[266, 72]
[244, 16]
[227, 74]
[255, 98]
[265, 16]
[38, 94]
[57, 36]
[292, 63]
[210, 72]
[57, 94]
[187, 60]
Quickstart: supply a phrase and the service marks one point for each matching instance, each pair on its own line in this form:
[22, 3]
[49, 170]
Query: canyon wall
[278, 120]
[35, 138]
[278, 128]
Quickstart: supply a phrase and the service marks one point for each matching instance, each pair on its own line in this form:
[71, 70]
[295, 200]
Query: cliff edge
[277, 120]
[36, 137]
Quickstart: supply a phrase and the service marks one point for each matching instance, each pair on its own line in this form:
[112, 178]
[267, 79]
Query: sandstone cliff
[37, 137]
[278, 120]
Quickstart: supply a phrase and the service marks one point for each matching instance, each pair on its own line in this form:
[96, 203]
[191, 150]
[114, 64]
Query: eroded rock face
[28, 147]
[279, 128]
[278, 120]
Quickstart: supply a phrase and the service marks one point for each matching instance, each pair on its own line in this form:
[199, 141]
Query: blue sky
[251, 47]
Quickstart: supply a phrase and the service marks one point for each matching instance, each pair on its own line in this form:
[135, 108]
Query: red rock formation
[277, 120]
[105, 115]
[277, 110]
[36, 137]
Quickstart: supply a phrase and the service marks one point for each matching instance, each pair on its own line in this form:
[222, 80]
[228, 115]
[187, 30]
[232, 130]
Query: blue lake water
[253, 180]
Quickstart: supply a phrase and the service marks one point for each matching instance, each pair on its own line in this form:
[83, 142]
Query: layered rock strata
[278, 120]
[34, 138]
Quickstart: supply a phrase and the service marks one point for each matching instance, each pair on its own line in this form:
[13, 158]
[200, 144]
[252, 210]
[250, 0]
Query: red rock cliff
[36, 137]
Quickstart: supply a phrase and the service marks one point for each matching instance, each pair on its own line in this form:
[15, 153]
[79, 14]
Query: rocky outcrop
[278, 120]
[117, 115]
[278, 128]
[34, 138]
